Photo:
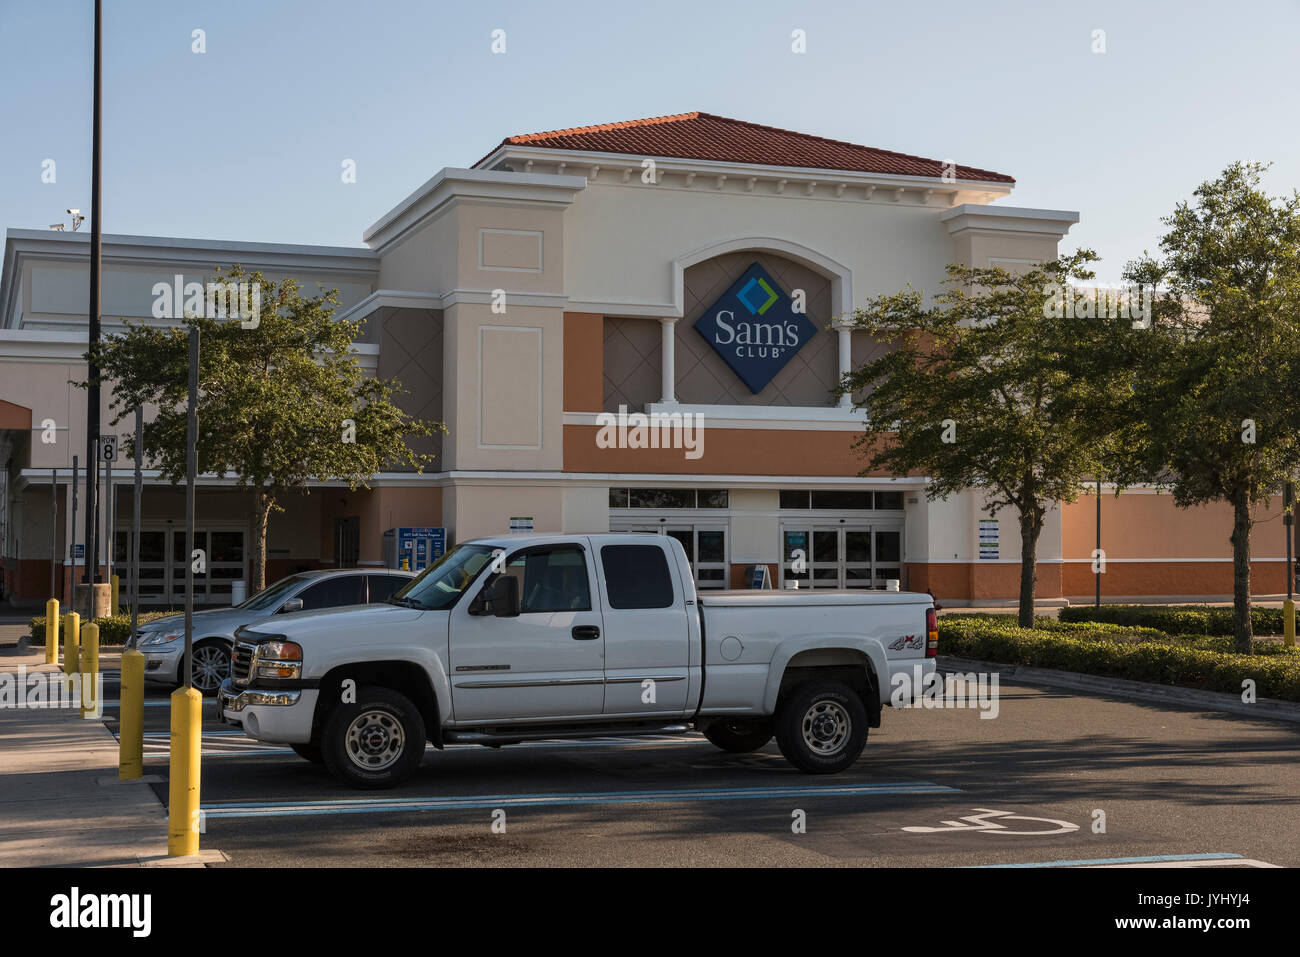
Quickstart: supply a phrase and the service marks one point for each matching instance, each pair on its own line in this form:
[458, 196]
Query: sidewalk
[61, 804]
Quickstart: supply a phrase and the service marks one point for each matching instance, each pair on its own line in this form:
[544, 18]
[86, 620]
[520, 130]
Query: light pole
[92, 370]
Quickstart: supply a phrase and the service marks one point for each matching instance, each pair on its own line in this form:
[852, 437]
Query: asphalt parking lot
[933, 787]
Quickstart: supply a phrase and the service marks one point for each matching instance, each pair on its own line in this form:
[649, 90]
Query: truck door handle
[585, 632]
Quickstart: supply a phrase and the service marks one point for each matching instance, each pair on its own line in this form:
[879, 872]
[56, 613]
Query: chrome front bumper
[231, 700]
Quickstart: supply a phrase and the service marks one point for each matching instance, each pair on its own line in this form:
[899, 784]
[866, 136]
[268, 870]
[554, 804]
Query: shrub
[113, 630]
[1189, 663]
[1176, 619]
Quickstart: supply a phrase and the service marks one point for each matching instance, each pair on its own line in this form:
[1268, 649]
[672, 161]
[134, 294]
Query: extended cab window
[637, 576]
[551, 579]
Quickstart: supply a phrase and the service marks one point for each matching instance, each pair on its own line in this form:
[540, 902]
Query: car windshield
[271, 596]
[439, 585]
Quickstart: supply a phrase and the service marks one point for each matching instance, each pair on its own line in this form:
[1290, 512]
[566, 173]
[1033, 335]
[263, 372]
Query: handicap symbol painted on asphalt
[983, 822]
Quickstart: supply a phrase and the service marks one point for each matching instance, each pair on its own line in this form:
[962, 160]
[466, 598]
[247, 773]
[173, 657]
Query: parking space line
[1169, 859]
[243, 809]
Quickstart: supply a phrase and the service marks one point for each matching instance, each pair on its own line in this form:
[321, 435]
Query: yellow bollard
[183, 788]
[52, 632]
[113, 594]
[90, 670]
[1288, 622]
[130, 753]
[71, 645]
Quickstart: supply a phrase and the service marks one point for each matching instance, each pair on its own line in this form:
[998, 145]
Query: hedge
[113, 630]
[1168, 661]
[1176, 619]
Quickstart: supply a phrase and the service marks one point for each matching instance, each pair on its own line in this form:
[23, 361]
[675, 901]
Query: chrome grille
[241, 661]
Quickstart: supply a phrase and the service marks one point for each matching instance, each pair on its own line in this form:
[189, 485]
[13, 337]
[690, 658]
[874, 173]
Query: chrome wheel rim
[826, 727]
[375, 740]
[211, 665]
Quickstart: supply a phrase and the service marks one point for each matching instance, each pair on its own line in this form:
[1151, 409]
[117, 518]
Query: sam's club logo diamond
[754, 328]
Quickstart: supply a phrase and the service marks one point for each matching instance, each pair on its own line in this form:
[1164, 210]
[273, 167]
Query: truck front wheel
[739, 737]
[375, 742]
[821, 727]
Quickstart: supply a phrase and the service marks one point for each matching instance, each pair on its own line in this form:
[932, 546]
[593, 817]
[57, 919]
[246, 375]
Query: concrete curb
[1123, 688]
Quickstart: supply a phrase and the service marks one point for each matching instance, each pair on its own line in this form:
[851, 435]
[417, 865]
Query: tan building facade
[571, 278]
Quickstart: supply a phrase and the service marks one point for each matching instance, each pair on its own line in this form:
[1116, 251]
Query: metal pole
[135, 522]
[1098, 573]
[108, 523]
[54, 525]
[191, 467]
[96, 248]
[72, 545]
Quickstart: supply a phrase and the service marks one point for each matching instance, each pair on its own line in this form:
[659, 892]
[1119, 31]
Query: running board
[512, 737]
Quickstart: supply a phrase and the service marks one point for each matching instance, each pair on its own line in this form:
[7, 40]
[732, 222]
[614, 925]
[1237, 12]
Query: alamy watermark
[52, 689]
[211, 300]
[656, 430]
[1132, 302]
[934, 690]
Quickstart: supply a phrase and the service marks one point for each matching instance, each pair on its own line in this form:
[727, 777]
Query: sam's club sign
[754, 327]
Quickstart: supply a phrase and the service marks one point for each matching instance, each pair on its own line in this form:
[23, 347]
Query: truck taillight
[931, 633]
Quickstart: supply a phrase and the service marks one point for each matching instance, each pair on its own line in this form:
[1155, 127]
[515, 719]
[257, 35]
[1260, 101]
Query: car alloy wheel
[211, 666]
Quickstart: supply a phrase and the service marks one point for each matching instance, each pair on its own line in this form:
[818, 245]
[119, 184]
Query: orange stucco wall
[1145, 525]
[726, 451]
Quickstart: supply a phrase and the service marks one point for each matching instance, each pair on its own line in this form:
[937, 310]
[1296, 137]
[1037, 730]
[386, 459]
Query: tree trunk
[262, 505]
[1241, 524]
[1030, 526]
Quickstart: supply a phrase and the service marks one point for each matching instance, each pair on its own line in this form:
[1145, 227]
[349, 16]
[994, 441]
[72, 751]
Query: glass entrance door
[840, 556]
[163, 557]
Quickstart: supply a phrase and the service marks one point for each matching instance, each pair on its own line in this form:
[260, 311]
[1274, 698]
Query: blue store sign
[754, 328]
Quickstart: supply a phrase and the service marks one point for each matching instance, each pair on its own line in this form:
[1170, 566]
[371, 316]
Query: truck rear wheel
[739, 737]
[375, 742]
[821, 727]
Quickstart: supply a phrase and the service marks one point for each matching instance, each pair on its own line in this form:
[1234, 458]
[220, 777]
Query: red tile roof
[704, 136]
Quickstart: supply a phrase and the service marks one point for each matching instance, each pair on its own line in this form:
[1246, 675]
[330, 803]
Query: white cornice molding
[484, 185]
[787, 418]
[409, 299]
[1016, 220]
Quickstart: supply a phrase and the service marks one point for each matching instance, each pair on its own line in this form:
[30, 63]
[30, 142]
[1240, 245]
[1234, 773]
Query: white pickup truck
[569, 636]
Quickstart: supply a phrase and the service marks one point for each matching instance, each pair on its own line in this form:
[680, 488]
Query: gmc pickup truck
[535, 637]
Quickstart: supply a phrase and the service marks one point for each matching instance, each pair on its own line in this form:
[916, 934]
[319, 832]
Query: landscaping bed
[1134, 652]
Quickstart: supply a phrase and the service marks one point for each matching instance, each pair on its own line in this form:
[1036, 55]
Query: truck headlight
[278, 659]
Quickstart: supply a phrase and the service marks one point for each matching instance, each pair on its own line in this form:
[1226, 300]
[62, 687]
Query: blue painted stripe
[389, 805]
[1156, 859]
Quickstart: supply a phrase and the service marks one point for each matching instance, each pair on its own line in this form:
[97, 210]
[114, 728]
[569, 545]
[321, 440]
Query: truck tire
[375, 742]
[308, 752]
[739, 737]
[821, 727]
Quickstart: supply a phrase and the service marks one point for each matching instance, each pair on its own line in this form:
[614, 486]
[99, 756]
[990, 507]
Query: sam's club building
[625, 327]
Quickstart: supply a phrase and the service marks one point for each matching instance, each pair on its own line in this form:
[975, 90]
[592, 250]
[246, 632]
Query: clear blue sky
[245, 141]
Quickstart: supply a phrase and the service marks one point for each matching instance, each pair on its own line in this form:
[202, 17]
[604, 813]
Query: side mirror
[293, 604]
[501, 598]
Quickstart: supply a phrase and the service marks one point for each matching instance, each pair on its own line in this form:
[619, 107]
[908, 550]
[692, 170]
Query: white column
[668, 350]
[846, 360]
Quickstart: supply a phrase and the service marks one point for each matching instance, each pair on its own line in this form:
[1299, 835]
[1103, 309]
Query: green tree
[1220, 403]
[982, 390]
[281, 403]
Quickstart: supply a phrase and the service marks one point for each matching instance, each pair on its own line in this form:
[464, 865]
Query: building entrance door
[822, 555]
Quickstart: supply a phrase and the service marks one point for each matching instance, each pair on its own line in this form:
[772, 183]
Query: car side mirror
[293, 604]
[501, 598]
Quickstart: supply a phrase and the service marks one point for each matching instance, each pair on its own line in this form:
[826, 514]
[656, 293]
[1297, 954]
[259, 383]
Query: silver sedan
[162, 641]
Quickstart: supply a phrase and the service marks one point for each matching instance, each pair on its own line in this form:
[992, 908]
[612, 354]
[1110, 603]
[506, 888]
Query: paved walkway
[61, 804]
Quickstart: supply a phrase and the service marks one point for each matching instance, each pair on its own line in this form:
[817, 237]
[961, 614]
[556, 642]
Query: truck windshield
[439, 585]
